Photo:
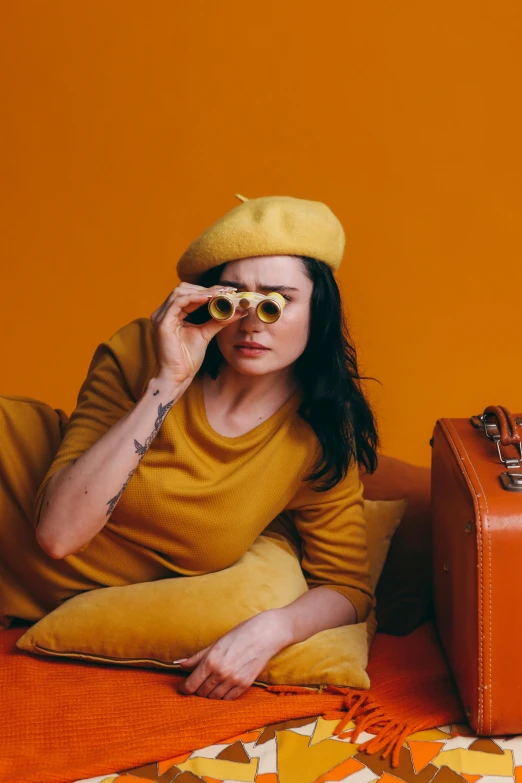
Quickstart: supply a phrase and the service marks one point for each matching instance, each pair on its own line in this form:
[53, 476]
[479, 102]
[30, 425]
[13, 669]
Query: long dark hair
[333, 402]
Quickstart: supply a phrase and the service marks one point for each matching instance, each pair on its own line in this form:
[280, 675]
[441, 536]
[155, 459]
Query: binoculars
[268, 308]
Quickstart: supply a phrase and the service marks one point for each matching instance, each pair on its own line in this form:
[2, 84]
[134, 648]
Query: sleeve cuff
[363, 603]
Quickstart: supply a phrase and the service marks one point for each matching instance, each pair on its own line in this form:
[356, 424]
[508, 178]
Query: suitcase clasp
[492, 432]
[509, 462]
[512, 481]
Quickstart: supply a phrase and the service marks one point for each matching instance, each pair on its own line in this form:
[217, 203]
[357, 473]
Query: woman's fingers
[187, 290]
[212, 327]
[214, 679]
[217, 687]
[164, 306]
[213, 687]
[218, 692]
[183, 305]
[207, 674]
[235, 692]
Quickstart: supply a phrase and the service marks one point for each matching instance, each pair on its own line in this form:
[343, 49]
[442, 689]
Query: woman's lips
[253, 349]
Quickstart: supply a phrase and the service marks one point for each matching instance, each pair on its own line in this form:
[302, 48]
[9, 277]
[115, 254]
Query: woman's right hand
[181, 346]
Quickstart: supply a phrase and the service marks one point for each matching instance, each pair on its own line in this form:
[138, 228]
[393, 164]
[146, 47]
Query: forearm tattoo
[141, 450]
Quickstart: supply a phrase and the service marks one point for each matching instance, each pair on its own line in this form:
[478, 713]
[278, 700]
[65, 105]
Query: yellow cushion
[31, 434]
[154, 623]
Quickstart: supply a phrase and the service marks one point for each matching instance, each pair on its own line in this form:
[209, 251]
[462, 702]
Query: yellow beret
[266, 226]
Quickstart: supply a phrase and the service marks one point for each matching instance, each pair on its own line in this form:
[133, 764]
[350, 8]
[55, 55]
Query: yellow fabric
[269, 225]
[30, 434]
[154, 623]
[198, 500]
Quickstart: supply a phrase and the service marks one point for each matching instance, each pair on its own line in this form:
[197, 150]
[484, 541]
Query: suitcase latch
[511, 478]
[512, 481]
[491, 430]
[509, 462]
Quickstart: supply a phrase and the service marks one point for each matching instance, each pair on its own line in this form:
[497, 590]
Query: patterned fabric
[67, 721]
[305, 751]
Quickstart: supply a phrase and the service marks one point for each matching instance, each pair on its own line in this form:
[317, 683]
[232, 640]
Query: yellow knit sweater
[198, 499]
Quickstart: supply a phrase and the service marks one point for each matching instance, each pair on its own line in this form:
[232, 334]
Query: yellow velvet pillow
[31, 432]
[154, 623]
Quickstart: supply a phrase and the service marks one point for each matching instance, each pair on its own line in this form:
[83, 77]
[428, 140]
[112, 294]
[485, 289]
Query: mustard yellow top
[198, 499]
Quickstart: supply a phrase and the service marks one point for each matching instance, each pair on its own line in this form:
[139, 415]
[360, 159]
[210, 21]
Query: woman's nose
[250, 322]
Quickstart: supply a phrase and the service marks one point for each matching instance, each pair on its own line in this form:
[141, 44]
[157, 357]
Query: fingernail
[180, 660]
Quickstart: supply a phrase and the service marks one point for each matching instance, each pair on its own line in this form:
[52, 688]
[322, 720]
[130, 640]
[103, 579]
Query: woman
[191, 439]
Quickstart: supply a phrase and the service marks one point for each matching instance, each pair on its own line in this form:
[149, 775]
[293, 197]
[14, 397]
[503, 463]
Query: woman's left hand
[227, 668]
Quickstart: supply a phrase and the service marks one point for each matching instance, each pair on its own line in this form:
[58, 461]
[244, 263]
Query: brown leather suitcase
[476, 495]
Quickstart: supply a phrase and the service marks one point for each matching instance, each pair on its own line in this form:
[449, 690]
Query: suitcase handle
[506, 425]
[504, 430]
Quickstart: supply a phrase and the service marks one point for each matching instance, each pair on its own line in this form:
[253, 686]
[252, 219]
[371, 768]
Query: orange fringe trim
[367, 715]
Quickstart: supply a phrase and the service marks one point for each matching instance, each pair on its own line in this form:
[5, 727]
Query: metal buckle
[510, 462]
[512, 481]
[491, 430]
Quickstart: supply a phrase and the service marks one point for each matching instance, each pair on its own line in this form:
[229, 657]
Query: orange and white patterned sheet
[305, 751]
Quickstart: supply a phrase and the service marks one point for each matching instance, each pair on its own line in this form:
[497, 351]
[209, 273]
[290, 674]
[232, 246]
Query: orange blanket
[64, 720]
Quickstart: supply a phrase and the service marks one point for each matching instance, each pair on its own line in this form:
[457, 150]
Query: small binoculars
[268, 308]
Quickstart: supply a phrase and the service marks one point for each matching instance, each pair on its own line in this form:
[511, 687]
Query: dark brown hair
[333, 403]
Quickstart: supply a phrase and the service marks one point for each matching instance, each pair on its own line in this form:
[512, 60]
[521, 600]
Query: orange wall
[129, 126]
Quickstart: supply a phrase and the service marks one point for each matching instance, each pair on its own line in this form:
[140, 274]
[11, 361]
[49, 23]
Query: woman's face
[282, 341]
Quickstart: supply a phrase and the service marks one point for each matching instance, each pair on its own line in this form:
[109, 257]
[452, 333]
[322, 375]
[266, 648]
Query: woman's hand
[228, 668]
[181, 346]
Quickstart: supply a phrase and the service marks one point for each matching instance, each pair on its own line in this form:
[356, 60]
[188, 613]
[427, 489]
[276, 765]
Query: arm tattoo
[142, 450]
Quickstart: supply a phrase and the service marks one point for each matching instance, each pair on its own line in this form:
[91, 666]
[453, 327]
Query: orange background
[128, 127]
